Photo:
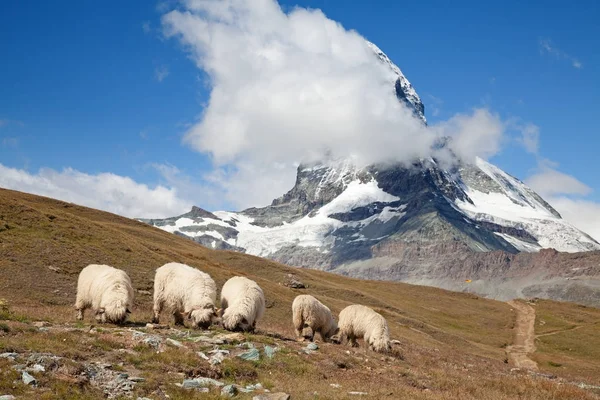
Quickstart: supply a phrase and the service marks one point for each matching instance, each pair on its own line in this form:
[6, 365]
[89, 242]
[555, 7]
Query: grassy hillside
[451, 344]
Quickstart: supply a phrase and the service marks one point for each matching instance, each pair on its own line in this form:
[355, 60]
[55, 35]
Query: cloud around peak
[292, 87]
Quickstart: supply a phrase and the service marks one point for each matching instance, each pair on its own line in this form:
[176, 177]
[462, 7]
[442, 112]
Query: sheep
[361, 321]
[185, 290]
[242, 304]
[309, 314]
[107, 291]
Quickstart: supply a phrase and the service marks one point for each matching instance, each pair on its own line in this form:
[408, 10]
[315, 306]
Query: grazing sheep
[242, 303]
[185, 290]
[360, 321]
[309, 314]
[107, 291]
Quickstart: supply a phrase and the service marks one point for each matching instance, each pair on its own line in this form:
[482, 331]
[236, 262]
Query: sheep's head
[116, 313]
[204, 317]
[237, 322]
[333, 330]
[380, 345]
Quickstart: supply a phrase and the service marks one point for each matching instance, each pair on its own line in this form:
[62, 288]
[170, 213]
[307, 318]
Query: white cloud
[146, 27]
[564, 192]
[547, 47]
[105, 191]
[198, 189]
[292, 87]
[550, 182]
[161, 73]
[530, 137]
[584, 214]
[478, 134]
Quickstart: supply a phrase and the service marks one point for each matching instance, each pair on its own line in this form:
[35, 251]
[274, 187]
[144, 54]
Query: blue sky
[101, 89]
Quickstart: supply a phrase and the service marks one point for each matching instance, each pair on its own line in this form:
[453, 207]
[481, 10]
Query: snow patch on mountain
[517, 206]
[356, 195]
[315, 229]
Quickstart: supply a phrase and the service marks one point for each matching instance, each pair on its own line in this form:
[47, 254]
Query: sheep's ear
[219, 311]
[128, 311]
[101, 311]
[188, 314]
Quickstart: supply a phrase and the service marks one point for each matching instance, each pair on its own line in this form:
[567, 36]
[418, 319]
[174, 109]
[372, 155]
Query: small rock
[28, 379]
[394, 341]
[310, 348]
[293, 282]
[200, 383]
[229, 338]
[208, 340]
[138, 335]
[43, 329]
[335, 385]
[251, 355]
[153, 341]
[136, 379]
[41, 324]
[217, 359]
[104, 365]
[143, 398]
[19, 367]
[52, 268]
[7, 397]
[10, 356]
[202, 355]
[37, 368]
[174, 343]
[156, 326]
[272, 396]
[358, 393]
[229, 391]
[257, 386]
[270, 351]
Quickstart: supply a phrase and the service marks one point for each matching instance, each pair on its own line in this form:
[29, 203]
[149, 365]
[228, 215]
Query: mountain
[423, 223]
[447, 344]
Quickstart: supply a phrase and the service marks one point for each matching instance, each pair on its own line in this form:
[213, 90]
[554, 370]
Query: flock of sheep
[191, 294]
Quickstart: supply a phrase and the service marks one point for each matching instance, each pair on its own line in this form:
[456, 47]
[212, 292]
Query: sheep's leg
[80, 308]
[309, 333]
[298, 326]
[352, 341]
[224, 305]
[178, 318]
[100, 317]
[158, 306]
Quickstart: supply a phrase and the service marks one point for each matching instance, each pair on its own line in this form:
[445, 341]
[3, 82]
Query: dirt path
[524, 336]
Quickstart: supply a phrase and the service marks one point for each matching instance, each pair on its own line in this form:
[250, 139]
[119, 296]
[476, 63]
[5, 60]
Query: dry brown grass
[452, 343]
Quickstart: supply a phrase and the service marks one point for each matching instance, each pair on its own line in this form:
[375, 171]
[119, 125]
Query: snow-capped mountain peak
[419, 223]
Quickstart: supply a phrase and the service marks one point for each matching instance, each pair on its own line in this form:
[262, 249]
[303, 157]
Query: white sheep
[361, 321]
[242, 304]
[107, 291]
[311, 316]
[185, 291]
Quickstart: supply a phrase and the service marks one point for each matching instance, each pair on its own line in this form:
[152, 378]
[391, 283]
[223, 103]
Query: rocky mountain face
[467, 227]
